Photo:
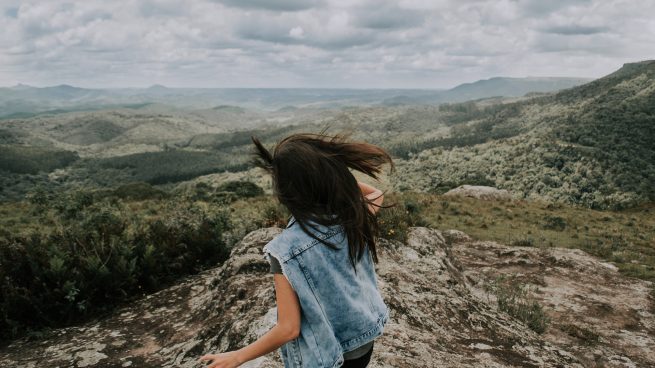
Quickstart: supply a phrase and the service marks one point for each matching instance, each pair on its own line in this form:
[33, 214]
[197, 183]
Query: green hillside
[21, 159]
[590, 145]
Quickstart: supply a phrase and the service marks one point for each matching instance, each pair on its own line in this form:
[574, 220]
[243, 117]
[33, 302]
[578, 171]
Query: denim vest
[340, 309]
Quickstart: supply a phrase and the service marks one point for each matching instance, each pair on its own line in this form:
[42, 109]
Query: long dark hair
[311, 179]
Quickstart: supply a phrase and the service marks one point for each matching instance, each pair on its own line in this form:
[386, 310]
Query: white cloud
[327, 43]
[296, 32]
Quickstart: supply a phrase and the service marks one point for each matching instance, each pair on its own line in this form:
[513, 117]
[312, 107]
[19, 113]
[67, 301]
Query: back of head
[311, 177]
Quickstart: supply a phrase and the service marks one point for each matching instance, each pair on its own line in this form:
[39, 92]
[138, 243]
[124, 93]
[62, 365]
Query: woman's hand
[286, 329]
[373, 194]
[223, 360]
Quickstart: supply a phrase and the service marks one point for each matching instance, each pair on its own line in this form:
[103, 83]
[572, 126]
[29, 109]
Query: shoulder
[282, 245]
[293, 240]
[278, 246]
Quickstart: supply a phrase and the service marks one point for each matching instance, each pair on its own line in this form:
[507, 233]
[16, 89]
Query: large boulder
[440, 316]
[479, 192]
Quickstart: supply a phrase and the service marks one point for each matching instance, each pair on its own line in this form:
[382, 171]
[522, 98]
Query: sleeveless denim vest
[340, 309]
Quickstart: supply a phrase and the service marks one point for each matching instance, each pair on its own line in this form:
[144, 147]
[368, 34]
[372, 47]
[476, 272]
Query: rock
[479, 192]
[598, 316]
[91, 357]
[456, 236]
[439, 315]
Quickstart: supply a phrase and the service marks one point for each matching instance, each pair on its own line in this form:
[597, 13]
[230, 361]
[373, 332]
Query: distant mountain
[494, 87]
[20, 87]
[508, 87]
[157, 87]
[158, 90]
[23, 100]
[591, 145]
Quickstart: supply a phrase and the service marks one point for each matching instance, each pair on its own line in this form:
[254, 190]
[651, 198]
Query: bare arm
[286, 329]
[372, 193]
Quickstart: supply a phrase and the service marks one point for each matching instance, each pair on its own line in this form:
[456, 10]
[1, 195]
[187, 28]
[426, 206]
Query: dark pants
[360, 362]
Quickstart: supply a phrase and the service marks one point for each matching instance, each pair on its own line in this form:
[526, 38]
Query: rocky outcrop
[440, 314]
[602, 318]
[479, 192]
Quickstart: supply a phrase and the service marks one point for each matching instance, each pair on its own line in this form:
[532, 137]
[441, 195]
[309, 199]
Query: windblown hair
[311, 178]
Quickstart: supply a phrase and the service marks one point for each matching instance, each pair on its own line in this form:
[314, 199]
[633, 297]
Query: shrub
[396, 220]
[69, 205]
[139, 191]
[38, 197]
[554, 223]
[516, 300]
[275, 214]
[99, 258]
[242, 188]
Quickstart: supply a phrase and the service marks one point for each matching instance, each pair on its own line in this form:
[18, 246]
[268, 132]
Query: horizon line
[154, 85]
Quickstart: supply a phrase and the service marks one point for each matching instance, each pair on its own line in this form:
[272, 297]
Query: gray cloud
[573, 29]
[327, 43]
[541, 7]
[299, 36]
[388, 16]
[11, 12]
[276, 5]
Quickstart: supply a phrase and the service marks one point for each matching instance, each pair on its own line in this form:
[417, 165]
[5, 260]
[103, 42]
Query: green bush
[70, 205]
[554, 223]
[138, 191]
[275, 214]
[99, 256]
[232, 190]
[242, 188]
[396, 220]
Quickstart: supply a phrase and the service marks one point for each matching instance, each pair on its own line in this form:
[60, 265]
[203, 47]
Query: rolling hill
[590, 145]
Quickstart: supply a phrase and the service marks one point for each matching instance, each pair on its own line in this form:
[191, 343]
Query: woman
[329, 309]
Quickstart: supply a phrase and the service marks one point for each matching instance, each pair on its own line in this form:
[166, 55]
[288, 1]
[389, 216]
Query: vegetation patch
[396, 220]
[20, 159]
[98, 255]
[168, 166]
[516, 299]
[584, 335]
[624, 237]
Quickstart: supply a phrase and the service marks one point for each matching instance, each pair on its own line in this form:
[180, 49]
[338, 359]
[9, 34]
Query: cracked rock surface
[440, 315]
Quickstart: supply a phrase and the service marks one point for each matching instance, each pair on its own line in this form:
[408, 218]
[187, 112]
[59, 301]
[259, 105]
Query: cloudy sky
[317, 43]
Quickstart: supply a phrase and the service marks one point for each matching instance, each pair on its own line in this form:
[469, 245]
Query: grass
[626, 238]
[516, 300]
